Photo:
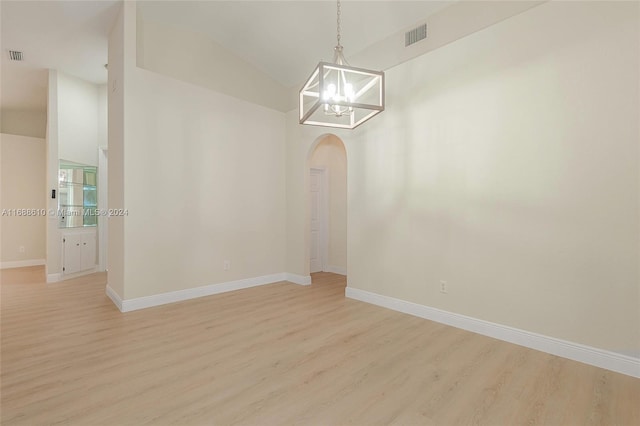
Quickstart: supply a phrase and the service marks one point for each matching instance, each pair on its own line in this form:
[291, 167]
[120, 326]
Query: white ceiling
[284, 39]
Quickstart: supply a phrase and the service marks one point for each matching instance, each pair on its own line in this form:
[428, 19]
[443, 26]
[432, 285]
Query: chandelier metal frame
[339, 95]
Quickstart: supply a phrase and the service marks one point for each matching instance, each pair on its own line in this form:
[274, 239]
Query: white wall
[102, 116]
[507, 164]
[203, 182]
[201, 186]
[195, 58]
[330, 155]
[118, 63]
[24, 123]
[78, 111]
[53, 236]
[23, 180]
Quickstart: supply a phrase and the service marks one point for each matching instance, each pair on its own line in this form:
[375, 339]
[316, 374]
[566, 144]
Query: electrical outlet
[227, 265]
[443, 287]
[21, 249]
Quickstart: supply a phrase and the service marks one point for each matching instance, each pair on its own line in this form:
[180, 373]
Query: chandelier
[339, 95]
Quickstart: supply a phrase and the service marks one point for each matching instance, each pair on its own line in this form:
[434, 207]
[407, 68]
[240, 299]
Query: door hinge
[63, 269]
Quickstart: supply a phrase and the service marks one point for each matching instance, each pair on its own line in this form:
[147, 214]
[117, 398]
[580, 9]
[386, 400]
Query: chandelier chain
[338, 20]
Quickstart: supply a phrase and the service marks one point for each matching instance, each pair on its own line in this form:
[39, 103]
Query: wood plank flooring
[275, 355]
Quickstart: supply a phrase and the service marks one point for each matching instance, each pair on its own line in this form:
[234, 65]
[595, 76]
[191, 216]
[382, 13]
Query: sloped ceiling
[283, 39]
[286, 39]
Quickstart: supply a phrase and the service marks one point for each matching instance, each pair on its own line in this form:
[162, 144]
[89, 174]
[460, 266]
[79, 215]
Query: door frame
[324, 215]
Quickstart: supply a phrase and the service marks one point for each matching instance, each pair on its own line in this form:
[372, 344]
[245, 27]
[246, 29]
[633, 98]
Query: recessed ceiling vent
[15, 55]
[415, 35]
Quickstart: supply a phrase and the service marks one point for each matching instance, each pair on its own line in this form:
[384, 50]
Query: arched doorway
[327, 218]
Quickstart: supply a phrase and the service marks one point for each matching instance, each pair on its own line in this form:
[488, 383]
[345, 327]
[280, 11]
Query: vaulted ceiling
[283, 39]
[286, 39]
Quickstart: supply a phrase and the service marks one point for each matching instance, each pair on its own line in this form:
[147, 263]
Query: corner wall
[200, 175]
[119, 66]
[54, 251]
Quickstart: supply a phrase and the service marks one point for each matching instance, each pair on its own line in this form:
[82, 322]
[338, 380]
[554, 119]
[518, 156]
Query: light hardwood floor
[276, 354]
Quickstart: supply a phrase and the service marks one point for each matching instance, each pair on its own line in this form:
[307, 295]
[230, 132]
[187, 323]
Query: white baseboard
[114, 297]
[613, 361]
[336, 270]
[22, 263]
[126, 305]
[54, 278]
[298, 279]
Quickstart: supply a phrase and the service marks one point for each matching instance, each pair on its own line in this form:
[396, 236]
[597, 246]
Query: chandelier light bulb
[349, 93]
[330, 93]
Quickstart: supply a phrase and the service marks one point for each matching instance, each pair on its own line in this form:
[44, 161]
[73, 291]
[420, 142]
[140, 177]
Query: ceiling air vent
[415, 35]
[15, 55]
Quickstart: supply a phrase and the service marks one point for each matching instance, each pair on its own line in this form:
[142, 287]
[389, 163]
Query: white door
[316, 180]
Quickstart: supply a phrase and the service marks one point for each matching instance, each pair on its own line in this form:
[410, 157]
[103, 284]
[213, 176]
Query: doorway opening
[328, 206]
